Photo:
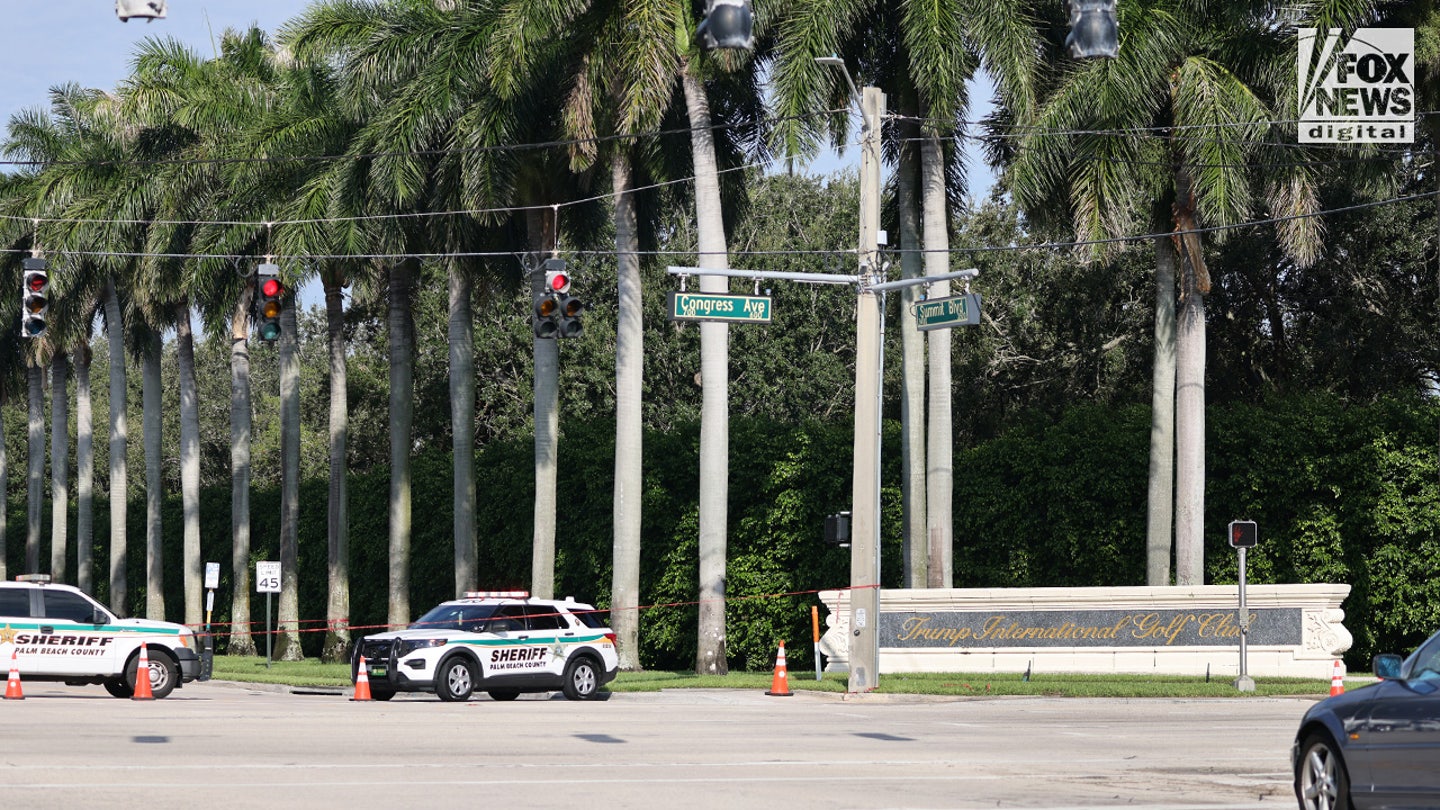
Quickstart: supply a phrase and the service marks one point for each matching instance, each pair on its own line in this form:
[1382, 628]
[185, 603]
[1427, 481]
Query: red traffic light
[36, 282]
[271, 288]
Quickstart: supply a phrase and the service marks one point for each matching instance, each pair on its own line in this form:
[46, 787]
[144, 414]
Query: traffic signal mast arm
[823, 278]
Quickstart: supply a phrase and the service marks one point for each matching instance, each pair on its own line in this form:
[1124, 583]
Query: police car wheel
[455, 679]
[582, 680]
[163, 675]
[504, 694]
[381, 694]
[119, 688]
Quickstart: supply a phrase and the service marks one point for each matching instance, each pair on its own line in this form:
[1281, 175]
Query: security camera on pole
[148, 10]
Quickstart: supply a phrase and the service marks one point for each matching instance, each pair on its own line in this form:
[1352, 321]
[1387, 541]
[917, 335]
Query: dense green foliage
[1342, 494]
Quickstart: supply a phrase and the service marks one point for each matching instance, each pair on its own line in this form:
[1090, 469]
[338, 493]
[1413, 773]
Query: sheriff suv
[502, 643]
[57, 633]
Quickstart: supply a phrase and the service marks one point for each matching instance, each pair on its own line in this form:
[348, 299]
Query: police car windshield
[470, 618]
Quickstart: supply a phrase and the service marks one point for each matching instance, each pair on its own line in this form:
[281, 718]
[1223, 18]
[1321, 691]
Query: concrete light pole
[865, 495]
[865, 492]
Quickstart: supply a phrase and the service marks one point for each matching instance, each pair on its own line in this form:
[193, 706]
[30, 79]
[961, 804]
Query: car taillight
[610, 637]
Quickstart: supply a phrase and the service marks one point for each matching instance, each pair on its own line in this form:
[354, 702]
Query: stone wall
[1294, 630]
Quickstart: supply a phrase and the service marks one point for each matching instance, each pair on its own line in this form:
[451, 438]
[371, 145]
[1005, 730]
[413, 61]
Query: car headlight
[404, 647]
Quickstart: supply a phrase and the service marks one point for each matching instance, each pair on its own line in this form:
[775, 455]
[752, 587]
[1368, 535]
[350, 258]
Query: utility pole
[865, 495]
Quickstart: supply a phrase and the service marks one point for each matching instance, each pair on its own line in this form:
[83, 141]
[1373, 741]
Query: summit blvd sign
[943, 313]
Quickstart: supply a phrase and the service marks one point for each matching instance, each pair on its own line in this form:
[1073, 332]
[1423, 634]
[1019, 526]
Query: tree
[929, 53]
[1165, 138]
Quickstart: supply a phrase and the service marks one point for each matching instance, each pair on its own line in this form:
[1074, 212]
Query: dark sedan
[1376, 746]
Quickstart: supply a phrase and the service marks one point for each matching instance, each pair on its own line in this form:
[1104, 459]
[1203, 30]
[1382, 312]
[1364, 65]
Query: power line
[834, 252]
[459, 150]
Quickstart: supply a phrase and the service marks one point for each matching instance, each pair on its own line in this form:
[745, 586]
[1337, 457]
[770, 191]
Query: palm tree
[625, 63]
[83, 142]
[1165, 138]
[930, 52]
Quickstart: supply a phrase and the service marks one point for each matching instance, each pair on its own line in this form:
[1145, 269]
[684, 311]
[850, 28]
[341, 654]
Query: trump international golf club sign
[1357, 89]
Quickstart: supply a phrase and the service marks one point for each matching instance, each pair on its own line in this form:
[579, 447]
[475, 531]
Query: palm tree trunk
[241, 419]
[940, 450]
[189, 466]
[1190, 441]
[539, 226]
[154, 551]
[119, 465]
[710, 654]
[337, 607]
[59, 464]
[4, 498]
[35, 474]
[1160, 514]
[84, 474]
[912, 393]
[288, 613]
[1189, 397]
[401, 329]
[462, 426]
[629, 375]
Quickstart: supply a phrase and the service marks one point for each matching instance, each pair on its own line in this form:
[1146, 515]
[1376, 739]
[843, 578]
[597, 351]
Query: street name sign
[687, 306]
[943, 313]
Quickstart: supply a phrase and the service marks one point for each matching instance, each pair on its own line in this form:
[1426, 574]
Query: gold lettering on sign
[1219, 626]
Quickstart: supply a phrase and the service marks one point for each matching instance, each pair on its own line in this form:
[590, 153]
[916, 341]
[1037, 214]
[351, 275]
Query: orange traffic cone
[1337, 679]
[362, 682]
[780, 682]
[12, 686]
[142, 677]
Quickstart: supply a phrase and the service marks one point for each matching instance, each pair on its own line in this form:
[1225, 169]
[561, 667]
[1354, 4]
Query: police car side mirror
[100, 617]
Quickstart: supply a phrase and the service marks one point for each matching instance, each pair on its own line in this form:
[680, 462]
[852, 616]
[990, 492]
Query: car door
[1402, 733]
[505, 646]
[16, 630]
[74, 643]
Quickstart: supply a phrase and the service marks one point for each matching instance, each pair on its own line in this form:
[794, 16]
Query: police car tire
[381, 694]
[504, 694]
[164, 675]
[582, 679]
[446, 671]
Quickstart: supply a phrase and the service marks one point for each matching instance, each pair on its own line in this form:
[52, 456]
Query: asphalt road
[228, 745]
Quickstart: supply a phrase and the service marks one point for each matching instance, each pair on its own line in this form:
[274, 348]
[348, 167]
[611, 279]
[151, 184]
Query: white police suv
[57, 633]
[502, 643]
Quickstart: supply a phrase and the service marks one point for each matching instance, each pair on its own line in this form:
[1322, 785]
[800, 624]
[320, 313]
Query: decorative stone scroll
[1295, 630]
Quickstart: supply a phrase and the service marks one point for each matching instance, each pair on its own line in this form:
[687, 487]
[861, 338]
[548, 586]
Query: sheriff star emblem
[7, 635]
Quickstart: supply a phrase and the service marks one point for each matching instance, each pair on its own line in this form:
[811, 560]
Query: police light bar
[32, 578]
[497, 594]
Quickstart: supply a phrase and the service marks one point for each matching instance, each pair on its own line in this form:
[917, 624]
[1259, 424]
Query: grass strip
[313, 673]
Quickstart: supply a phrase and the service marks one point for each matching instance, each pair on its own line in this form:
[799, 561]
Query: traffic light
[556, 313]
[545, 318]
[1243, 533]
[727, 26]
[35, 298]
[571, 308]
[146, 9]
[557, 278]
[1094, 30]
[270, 291]
[837, 529]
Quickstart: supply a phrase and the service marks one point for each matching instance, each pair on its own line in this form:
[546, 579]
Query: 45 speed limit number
[267, 577]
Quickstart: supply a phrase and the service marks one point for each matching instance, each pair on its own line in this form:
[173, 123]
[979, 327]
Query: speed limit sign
[267, 577]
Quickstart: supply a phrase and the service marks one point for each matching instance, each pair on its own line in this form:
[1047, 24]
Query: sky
[81, 41]
[50, 43]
